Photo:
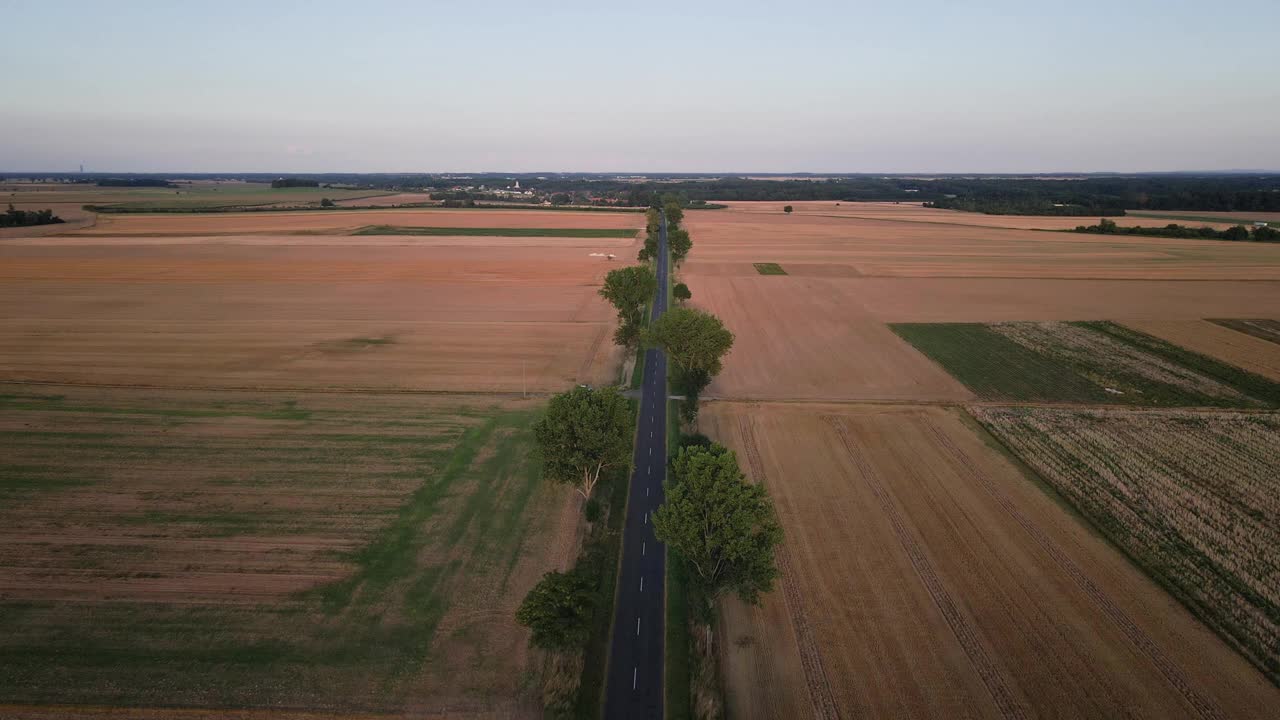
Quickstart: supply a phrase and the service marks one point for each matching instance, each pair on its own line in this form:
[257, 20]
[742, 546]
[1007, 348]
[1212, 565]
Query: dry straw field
[1192, 496]
[938, 566]
[924, 575]
[285, 473]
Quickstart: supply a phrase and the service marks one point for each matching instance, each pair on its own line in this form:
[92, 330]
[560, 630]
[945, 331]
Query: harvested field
[894, 245]
[915, 212]
[1191, 496]
[926, 576]
[1085, 362]
[239, 550]
[1268, 330]
[1224, 342]
[496, 232]
[273, 317]
[343, 222]
[798, 338]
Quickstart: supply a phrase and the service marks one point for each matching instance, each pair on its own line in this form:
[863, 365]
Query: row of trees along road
[584, 441]
[722, 526]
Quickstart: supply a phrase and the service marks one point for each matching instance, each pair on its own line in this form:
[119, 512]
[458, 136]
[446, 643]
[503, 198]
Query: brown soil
[938, 581]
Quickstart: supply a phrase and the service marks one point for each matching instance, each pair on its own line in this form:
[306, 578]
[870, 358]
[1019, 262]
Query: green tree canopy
[723, 526]
[584, 432]
[650, 249]
[787, 209]
[694, 339]
[559, 610]
[628, 289]
[681, 292]
[675, 214]
[679, 243]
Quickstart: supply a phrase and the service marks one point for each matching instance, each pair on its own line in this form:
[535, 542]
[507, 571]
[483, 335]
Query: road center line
[634, 674]
[637, 626]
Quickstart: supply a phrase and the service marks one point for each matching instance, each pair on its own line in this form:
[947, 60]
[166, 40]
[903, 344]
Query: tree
[650, 249]
[679, 243]
[326, 202]
[584, 432]
[653, 220]
[674, 213]
[720, 524]
[681, 292]
[628, 289]
[559, 610]
[694, 339]
[1236, 232]
[787, 209]
[1264, 233]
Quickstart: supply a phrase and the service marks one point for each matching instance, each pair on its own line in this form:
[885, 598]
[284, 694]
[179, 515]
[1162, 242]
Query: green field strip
[768, 268]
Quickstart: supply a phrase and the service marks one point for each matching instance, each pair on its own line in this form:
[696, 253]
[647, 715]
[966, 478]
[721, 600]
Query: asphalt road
[636, 659]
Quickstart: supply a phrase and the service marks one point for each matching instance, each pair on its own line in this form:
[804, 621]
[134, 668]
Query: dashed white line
[642, 548]
[634, 674]
[641, 583]
[637, 626]
[646, 518]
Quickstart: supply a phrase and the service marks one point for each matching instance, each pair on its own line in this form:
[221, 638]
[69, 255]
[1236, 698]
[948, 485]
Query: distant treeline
[1024, 205]
[294, 183]
[1238, 233]
[135, 182]
[1095, 195]
[24, 218]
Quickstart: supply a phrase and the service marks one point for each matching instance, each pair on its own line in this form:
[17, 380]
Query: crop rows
[1085, 362]
[1191, 496]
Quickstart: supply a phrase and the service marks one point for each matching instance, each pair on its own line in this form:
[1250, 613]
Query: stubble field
[270, 475]
[927, 570]
[925, 576]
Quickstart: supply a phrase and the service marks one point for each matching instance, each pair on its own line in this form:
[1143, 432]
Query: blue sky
[695, 86]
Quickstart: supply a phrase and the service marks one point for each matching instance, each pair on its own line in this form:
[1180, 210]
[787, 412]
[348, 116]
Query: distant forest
[24, 218]
[1096, 195]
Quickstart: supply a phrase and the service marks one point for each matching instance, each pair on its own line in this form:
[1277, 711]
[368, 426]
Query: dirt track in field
[939, 582]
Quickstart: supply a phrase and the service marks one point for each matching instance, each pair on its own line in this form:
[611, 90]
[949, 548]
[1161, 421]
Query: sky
[229, 86]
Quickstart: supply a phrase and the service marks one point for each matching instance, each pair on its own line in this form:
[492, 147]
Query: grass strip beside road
[495, 232]
[769, 269]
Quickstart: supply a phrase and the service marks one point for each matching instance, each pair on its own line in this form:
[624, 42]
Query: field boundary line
[990, 672]
[815, 674]
[1172, 673]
